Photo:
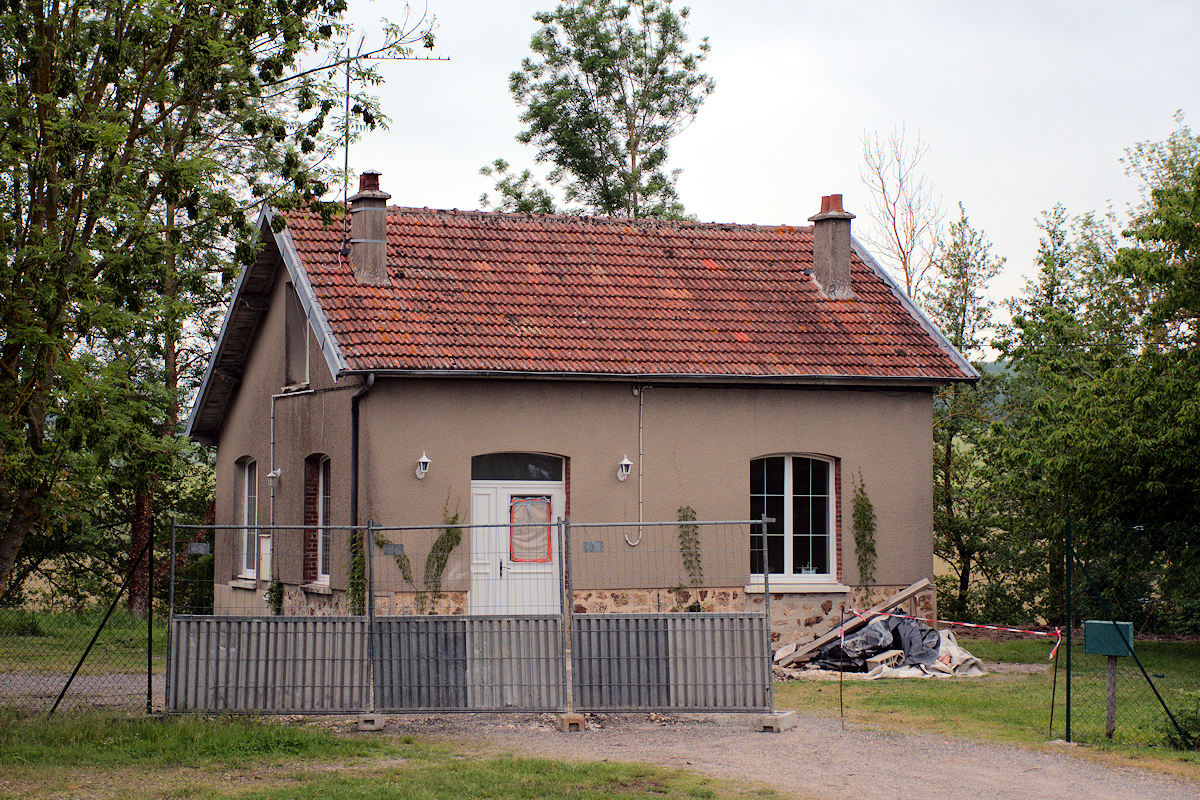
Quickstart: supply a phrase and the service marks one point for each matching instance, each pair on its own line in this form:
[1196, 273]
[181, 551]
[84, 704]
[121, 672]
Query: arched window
[318, 501]
[797, 492]
[516, 467]
[247, 515]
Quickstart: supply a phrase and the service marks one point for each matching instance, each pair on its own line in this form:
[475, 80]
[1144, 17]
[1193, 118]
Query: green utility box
[1102, 637]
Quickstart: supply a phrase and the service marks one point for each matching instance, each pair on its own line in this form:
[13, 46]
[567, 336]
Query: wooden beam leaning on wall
[790, 654]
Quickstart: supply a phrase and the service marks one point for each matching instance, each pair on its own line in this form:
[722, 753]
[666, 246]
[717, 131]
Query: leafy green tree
[516, 193]
[1045, 458]
[138, 137]
[957, 301]
[607, 87]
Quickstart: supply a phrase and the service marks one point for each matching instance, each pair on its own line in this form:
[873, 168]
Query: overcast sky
[1023, 105]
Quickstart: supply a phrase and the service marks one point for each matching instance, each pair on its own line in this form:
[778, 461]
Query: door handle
[501, 566]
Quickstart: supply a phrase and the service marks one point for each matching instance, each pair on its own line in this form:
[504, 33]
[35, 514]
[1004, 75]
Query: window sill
[800, 587]
[316, 588]
[243, 583]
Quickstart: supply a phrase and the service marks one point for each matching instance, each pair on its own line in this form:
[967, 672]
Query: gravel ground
[815, 759]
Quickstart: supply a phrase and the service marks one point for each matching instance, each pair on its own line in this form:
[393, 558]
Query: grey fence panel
[694, 662]
[268, 664]
[719, 661]
[463, 663]
[620, 661]
[515, 663]
[421, 663]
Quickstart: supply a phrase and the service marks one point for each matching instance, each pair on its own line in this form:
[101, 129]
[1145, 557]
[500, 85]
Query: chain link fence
[1134, 674]
[100, 656]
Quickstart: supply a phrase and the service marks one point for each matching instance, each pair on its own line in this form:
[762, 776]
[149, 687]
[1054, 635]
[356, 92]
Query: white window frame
[789, 576]
[248, 517]
[324, 501]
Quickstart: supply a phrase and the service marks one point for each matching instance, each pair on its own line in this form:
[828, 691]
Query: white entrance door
[514, 560]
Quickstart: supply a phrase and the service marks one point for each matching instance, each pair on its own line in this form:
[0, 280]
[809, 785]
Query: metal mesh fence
[99, 656]
[531, 615]
[1135, 671]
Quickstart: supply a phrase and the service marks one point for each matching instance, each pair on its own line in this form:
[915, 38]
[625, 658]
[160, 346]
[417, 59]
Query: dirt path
[816, 759]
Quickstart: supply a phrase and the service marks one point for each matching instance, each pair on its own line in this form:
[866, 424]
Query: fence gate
[619, 640]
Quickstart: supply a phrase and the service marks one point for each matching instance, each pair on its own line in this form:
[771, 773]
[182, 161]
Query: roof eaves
[667, 377]
[969, 372]
[206, 382]
[334, 358]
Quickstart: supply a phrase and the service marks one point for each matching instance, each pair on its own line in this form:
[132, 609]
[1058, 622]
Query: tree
[957, 302]
[1045, 459]
[137, 139]
[608, 86]
[906, 213]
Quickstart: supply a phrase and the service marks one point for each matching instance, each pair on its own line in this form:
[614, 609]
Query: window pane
[756, 553]
[516, 467]
[801, 475]
[774, 475]
[820, 554]
[775, 511]
[757, 506]
[801, 555]
[530, 530]
[775, 553]
[820, 516]
[758, 476]
[820, 476]
[801, 513]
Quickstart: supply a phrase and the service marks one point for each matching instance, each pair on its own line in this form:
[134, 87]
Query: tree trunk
[138, 597]
[20, 522]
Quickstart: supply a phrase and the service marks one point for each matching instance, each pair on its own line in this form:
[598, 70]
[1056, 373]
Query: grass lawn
[53, 641]
[96, 756]
[1015, 707]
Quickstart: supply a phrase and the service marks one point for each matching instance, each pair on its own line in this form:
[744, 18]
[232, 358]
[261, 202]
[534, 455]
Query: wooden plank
[785, 658]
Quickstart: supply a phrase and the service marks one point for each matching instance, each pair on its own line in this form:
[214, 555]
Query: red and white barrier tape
[1057, 632]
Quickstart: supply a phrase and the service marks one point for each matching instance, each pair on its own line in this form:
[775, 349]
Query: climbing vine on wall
[689, 545]
[356, 589]
[863, 515]
[439, 554]
[435, 563]
[275, 595]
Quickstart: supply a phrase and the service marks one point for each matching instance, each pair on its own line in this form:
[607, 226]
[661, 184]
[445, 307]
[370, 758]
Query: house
[414, 362]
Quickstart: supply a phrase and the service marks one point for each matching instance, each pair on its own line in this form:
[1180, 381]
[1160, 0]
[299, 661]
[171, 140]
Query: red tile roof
[477, 291]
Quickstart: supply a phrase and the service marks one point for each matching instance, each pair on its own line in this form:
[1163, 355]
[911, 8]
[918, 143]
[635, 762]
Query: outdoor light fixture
[623, 468]
[273, 477]
[423, 466]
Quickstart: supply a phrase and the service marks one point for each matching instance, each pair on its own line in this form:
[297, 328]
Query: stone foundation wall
[408, 603]
[795, 617]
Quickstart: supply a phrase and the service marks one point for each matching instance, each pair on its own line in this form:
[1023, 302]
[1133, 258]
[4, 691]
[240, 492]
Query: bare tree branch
[906, 213]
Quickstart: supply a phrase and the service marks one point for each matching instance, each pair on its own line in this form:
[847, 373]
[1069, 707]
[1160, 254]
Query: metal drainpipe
[640, 391]
[354, 398]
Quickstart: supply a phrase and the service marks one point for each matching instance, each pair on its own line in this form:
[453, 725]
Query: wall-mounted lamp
[623, 467]
[423, 465]
[273, 477]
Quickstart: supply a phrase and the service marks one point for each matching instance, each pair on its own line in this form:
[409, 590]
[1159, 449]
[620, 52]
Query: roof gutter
[823, 381]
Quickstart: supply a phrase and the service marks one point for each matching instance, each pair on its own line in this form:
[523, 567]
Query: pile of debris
[886, 646]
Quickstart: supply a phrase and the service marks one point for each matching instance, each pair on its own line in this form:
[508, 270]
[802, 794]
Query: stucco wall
[307, 421]
[698, 444]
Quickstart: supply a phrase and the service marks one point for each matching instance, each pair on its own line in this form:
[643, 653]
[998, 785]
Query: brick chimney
[831, 248]
[368, 231]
